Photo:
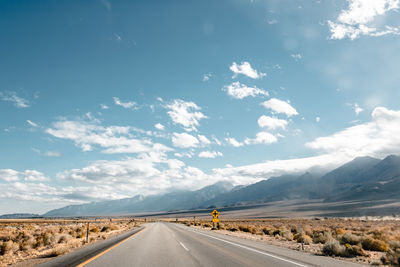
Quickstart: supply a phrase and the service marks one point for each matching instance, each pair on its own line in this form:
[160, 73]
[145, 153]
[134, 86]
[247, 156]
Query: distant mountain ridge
[19, 216]
[363, 178]
[180, 200]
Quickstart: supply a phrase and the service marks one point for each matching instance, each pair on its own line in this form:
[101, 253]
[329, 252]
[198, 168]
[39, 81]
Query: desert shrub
[206, 225]
[95, 230]
[44, 239]
[245, 229]
[349, 238]
[8, 247]
[321, 237]
[340, 231]
[267, 231]
[307, 239]
[286, 234]
[57, 252]
[275, 232]
[392, 258]
[353, 251]
[233, 229]
[394, 245]
[372, 244]
[64, 238]
[333, 248]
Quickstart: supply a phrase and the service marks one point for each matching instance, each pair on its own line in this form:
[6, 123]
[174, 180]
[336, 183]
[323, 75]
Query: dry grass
[27, 239]
[374, 242]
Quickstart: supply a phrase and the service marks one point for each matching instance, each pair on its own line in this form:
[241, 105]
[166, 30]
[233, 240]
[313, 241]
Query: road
[168, 244]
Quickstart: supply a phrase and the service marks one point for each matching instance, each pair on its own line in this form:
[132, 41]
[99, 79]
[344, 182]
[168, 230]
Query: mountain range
[362, 179]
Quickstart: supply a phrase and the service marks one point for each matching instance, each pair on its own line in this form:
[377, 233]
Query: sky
[106, 99]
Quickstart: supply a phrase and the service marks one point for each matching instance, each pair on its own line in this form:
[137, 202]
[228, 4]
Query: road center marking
[251, 249]
[183, 246]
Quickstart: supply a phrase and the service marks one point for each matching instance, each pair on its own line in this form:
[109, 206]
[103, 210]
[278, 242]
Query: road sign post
[87, 232]
[215, 219]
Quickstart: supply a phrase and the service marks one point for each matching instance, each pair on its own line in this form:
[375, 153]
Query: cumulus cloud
[17, 101]
[146, 174]
[114, 139]
[210, 154]
[233, 142]
[377, 138]
[359, 19]
[279, 106]
[204, 140]
[184, 140]
[104, 106]
[262, 138]
[10, 175]
[239, 91]
[159, 126]
[271, 123]
[185, 113]
[245, 69]
[130, 104]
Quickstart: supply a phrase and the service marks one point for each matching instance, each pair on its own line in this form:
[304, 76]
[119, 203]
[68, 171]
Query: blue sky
[110, 99]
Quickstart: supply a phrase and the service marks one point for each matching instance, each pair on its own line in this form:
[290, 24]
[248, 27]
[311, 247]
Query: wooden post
[301, 239]
[87, 232]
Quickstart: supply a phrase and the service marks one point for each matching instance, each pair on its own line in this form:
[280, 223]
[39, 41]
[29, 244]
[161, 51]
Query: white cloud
[377, 138]
[52, 154]
[253, 173]
[279, 106]
[204, 140]
[186, 114]
[317, 119]
[271, 123]
[130, 104]
[184, 140]
[18, 102]
[184, 154]
[262, 138]
[115, 139]
[232, 141]
[272, 21]
[239, 91]
[147, 174]
[245, 69]
[358, 109]
[207, 77]
[297, 56]
[104, 106]
[159, 126]
[210, 154]
[47, 153]
[359, 19]
[10, 175]
[31, 123]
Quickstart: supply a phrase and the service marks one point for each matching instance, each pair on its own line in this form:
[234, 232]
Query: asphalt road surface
[168, 244]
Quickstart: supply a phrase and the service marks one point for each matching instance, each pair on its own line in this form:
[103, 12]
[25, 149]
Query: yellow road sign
[215, 220]
[215, 214]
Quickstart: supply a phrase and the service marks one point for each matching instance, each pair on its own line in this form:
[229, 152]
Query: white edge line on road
[251, 249]
[183, 246]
